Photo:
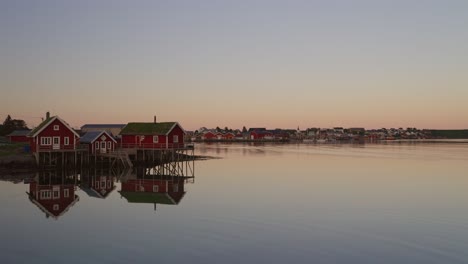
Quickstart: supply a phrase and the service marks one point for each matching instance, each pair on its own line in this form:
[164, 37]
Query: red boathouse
[53, 134]
[164, 135]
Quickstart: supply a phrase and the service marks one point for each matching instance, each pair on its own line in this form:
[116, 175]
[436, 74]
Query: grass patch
[12, 149]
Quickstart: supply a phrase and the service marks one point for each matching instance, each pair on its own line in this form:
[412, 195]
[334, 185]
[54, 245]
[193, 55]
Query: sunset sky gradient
[237, 63]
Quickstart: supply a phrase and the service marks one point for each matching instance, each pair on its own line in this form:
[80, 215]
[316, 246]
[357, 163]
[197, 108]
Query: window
[45, 194]
[155, 139]
[66, 141]
[109, 145]
[176, 139]
[175, 188]
[56, 127]
[46, 141]
[109, 184]
[103, 184]
[56, 207]
[66, 193]
[155, 188]
[96, 145]
[56, 193]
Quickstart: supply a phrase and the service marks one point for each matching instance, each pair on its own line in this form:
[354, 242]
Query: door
[103, 147]
[56, 143]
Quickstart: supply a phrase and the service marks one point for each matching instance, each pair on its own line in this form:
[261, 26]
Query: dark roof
[256, 129]
[90, 136]
[20, 133]
[40, 126]
[94, 193]
[148, 128]
[103, 126]
[47, 122]
[147, 197]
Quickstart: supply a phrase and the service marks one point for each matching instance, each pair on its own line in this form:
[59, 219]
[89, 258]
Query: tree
[244, 130]
[218, 129]
[10, 125]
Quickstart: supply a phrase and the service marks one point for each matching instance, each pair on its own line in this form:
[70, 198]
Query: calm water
[396, 203]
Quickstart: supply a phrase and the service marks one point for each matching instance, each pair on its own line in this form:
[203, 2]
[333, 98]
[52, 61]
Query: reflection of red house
[53, 134]
[98, 186]
[153, 135]
[209, 136]
[19, 136]
[53, 199]
[98, 142]
[155, 191]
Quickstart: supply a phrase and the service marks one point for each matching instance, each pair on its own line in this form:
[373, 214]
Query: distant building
[113, 129]
[19, 136]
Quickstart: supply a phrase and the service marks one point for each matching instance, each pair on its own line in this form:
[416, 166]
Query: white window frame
[155, 139]
[109, 184]
[175, 188]
[96, 145]
[175, 139]
[56, 190]
[155, 188]
[46, 141]
[66, 141]
[109, 145]
[56, 127]
[103, 184]
[66, 193]
[45, 195]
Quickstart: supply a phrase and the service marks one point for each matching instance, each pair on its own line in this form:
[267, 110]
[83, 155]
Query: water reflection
[53, 192]
[146, 185]
[97, 183]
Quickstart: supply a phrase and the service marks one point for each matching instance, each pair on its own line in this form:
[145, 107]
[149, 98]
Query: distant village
[309, 135]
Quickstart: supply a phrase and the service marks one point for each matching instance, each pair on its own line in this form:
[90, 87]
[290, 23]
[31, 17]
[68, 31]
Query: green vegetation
[10, 125]
[146, 197]
[451, 134]
[147, 128]
[12, 149]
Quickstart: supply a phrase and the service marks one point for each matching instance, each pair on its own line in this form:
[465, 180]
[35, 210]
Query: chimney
[155, 119]
[47, 115]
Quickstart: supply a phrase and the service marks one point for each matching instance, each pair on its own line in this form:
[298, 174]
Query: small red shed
[98, 142]
[19, 136]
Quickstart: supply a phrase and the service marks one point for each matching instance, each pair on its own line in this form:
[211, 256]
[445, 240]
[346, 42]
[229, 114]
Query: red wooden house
[19, 136]
[154, 135]
[209, 136]
[98, 142]
[53, 134]
[53, 195]
[228, 136]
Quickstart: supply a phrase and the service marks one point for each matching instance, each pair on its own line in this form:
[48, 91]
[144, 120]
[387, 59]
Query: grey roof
[103, 126]
[89, 137]
[19, 133]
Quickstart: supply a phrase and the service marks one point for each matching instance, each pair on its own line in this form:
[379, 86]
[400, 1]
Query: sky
[256, 63]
